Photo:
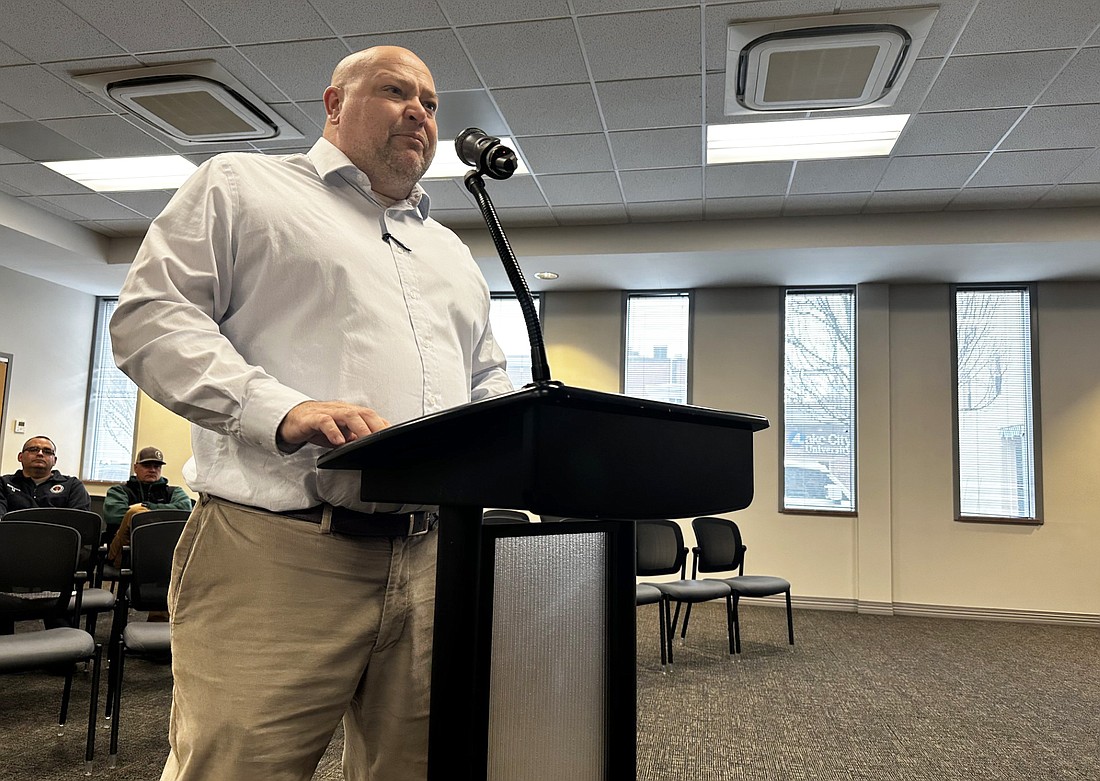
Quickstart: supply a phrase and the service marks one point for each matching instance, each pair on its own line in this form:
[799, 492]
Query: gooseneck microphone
[486, 153]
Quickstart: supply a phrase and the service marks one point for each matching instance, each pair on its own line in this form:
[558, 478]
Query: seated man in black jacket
[145, 488]
[38, 484]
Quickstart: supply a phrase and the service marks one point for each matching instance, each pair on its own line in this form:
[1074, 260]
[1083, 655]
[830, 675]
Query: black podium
[554, 450]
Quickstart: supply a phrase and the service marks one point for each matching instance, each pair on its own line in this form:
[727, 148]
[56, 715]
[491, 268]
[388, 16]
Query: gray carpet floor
[858, 698]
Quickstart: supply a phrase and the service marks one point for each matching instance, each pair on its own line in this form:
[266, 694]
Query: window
[510, 331]
[657, 347]
[995, 417]
[112, 408]
[819, 400]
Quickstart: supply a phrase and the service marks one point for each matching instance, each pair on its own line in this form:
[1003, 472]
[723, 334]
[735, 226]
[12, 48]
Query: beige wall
[157, 426]
[48, 331]
[904, 548]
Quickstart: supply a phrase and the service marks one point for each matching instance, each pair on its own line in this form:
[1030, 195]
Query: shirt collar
[330, 163]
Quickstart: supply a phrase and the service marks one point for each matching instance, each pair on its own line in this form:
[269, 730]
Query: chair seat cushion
[147, 637]
[694, 590]
[50, 646]
[647, 594]
[757, 585]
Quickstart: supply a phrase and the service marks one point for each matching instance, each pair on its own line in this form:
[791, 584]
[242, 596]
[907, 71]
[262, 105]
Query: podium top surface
[558, 450]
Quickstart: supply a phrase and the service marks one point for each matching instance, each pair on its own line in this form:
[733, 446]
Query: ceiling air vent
[191, 103]
[825, 63]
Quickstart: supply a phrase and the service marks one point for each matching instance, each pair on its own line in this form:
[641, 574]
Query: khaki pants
[279, 631]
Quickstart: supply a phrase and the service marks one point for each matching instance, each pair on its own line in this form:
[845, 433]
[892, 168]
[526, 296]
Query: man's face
[384, 115]
[38, 457]
[148, 473]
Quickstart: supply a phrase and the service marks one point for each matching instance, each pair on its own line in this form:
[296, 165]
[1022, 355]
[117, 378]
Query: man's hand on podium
[326, 423]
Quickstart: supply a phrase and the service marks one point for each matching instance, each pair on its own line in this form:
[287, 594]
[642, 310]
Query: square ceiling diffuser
[842, 61]
[191, 103]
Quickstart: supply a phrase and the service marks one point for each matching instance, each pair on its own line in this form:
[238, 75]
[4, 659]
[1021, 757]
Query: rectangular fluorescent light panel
[804, 139]
[105, 175]
[446, 164]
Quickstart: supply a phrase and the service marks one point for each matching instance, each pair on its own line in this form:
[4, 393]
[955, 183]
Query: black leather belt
[357, 524]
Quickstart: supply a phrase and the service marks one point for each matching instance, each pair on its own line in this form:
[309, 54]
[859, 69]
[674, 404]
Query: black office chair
[720, 550]
[648, 594]
[661, 551]
[144, 587]
[38, 576]
[504, 516]
[90, 526]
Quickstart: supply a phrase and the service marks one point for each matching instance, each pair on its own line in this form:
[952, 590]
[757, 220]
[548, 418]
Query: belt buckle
[415, 529]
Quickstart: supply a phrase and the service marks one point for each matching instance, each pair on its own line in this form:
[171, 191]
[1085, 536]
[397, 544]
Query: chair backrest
[156, 516]
[505, 516]
[660, 548]
[38, 562]
[87, 524]
[151, 548]
[719, 545]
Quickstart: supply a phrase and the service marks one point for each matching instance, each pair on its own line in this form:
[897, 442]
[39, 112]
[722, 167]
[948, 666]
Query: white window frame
[629, 382]
[111, 409]
[816, 451]
[1026, 458]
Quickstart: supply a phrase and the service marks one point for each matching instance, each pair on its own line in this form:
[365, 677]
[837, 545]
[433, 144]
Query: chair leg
[687, 617]
[93, 709]
[790, 620]
[729, 621]
[663, 633]
[112, 758]
[61, 719]
[736, 624]
[670, 626]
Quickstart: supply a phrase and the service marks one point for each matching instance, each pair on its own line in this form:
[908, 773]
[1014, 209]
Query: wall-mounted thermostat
[20, 426]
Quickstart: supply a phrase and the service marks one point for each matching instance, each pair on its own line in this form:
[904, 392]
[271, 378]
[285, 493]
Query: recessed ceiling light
[546, 274]
[804, 139]
[446, 164]
[120, 174]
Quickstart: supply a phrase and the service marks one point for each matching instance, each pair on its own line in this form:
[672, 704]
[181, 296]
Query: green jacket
[155, 496]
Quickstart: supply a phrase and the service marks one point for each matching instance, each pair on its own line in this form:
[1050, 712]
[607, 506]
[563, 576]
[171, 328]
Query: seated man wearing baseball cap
[145, 489]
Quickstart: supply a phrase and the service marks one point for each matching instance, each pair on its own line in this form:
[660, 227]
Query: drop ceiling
[997, 173]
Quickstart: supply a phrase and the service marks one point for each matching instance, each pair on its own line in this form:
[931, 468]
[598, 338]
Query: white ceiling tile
[108, 136]
[36, 141]
[8, 114]
[645, 44]
[9, 56]
[595, 214]
[236, 61]
[37, 93]
[446, 194]
[647, 103]
[581, 188]
[528, 53]
[1087, 172]
[44, 205]
[955, 131]
[149, 203]
[525, 217]
[367, 18]
[591, 7]
[744, 179]
[440, 50]
[261, 21]
[668, 211]
[670, 184]
[174, 26]
[664, 148]
[908, 201]
[92, 206]
[1071, 195]
[1077, 83]
[459, 219]
[993, 80]
[469, 12]
[1056, 127]
[117, 228]
[302, 69]
[10, 155]
[929, 172]
[744, 208]
[566, 154]
[517, 191]
[536, 111]
[1021, 25]
[1036, 167]
[945, 29]
[837, 176]
[47, 30]
[825, 203]
[984, 198]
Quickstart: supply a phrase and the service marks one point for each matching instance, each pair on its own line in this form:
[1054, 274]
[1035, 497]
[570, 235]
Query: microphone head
[471, 143]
